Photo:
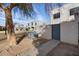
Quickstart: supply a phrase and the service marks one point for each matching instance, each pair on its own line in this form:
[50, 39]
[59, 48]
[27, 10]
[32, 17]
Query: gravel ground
[40, 41]
[64, 49]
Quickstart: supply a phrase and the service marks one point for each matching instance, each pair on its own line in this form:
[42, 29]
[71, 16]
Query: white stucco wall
[69, 24]
[69, 32]
[48, 32]
[64, 13]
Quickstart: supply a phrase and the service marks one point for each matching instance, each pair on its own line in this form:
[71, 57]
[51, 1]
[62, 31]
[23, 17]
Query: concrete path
[47, 47]
[64, 49]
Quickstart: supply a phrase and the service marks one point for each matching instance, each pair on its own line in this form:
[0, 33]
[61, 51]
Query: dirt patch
[24, 48]
[40, 41]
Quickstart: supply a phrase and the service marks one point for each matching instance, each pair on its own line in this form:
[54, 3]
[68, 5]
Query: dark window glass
[57, 15]
[28, 24]
[32, 23]
[35, 23]
[74, 11]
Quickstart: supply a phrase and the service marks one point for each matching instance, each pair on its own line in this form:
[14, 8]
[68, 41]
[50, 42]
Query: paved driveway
[47, 47]
[64, 49]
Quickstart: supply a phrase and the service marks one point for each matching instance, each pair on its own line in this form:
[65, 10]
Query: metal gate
[56, 31]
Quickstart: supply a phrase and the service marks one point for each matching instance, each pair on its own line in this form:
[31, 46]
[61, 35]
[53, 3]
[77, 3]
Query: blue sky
[41, 15]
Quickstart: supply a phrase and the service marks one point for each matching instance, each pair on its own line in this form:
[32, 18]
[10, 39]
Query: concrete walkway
[47, 47]
[64, 49]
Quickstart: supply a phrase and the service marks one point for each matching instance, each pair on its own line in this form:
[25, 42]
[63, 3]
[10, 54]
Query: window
[28, 24]
[32, 27]
[57, 15]
[74, 11]
[32, 23]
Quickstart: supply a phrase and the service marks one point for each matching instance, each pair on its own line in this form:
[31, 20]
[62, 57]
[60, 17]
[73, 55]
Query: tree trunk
[10, 27]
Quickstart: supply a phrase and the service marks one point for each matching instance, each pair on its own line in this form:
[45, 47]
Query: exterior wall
[55, 21]
[69, 24]
[19, 28]
[48, 32]
[37, 27]
[69, 32]
[64, 13]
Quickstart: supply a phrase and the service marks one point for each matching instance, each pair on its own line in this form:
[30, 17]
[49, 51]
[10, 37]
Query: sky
[41, 15]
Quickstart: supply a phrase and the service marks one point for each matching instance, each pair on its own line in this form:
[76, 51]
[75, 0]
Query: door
[78, 32]
[56, 32]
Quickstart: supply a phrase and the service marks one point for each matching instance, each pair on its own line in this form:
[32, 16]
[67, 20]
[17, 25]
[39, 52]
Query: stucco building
[20, 27]
[65, 21]
[35, 25]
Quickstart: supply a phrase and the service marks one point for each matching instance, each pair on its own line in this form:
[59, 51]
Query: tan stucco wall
[69, 32]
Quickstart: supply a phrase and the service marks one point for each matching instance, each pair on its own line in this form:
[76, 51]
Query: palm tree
[26, 9]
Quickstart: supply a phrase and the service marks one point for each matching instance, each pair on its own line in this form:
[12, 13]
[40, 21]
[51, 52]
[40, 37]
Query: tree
[26, 10]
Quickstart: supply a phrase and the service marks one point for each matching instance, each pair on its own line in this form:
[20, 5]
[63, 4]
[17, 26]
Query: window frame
[73, 11]
[56, 15]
